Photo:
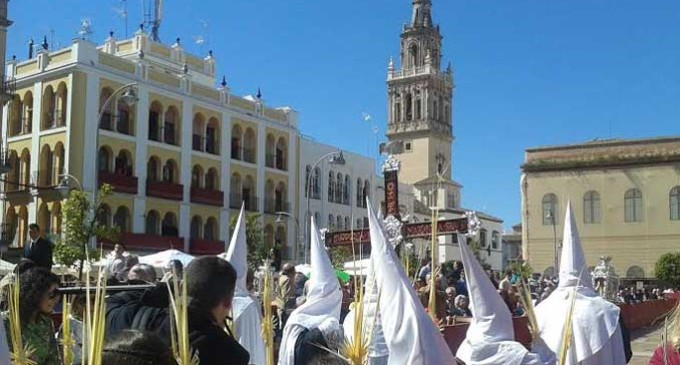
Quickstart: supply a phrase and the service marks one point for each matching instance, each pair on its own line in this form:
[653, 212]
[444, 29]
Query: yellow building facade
[625, 195]
[182, 158]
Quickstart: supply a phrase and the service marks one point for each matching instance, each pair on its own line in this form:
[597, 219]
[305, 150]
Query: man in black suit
[38, 249]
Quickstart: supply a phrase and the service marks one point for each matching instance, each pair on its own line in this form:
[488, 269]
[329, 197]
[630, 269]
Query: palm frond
[179, 333]
[21, 353]
[267, 322]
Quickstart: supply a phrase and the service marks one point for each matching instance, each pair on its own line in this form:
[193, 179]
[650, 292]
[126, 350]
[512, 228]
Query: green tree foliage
[667, 268]
[522, 269]
[339, 255]
[258, 248]
[80, 224]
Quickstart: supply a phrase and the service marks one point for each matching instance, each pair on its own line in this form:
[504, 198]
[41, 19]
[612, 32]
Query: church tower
[420, 99]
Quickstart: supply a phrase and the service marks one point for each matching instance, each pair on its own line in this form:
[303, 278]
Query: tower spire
[422, 13]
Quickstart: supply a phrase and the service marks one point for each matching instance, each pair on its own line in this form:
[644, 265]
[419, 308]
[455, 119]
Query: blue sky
[527, 72]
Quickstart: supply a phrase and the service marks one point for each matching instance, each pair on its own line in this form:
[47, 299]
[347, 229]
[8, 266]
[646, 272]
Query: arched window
[124, 122]
[170, 173]
[16, 109]
[282, 154]
[49, 119]
[170, 133]
[196, 226]
[549, 209]
[409, 107]
[365, 222]
[248, 193]
[46, 166]
[104, 216]
[316, 183]
[13, 175]
[236, 142]
[308, 172]
[348, 224]
[197, 177]
[25, 170]
[280, 198]
[153, 169]
[482, 238]
[61, 105]
[270, 147]
[197, 136]
[169, 225]
[212, 131]
[210, 230]
[211, 179]
[152, 221]
[338, 189]
[331, 186]
[413, 55]
[331, 223]
[367, 193]
[27, 114]
[58, 161]
[495, 240]
[674, 202]
[591, 207]
[44, 218]
[235, 193]
[360, 191]
[338, 223]
[122, 219]
[155, 122]
[249, 146]
[635, 272]
[346, 188]
[359, 223]
[633, 205]
[123, 163]
[105, 157]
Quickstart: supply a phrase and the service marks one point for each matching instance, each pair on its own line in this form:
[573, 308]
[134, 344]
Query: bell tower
[420, 96]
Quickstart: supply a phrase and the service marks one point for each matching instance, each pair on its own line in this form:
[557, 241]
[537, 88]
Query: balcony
[208, 197]
[164, 135]
[206, 247]
[250, 202]
[53, 119]
[165, 190]
[271, 206]
[121, 183]
[147, 242]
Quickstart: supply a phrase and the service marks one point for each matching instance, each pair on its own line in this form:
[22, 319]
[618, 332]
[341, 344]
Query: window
[155, 112]
[211, 180]
[495, 240]
[482, 238]
[104, 216]
[338, 189]
[348, 225]
[366, 222]
[367, 193]
[331, 223]
[675, 203]
[549, 209]
[346, 190]
[104, 159]
[170, 171]
[122, 219]
[210, 230]
[633, 206]
[211, 133]
[152, 219]
[591, 207]
[360, 190]
[316, 184]
[338, 224]
[308, 171]
[123, 163]
[359, 223]
[196, 226]
[169, 225]
[409, 107]
[196, 177]
[407, 146]
[152, 169]
[331, 186]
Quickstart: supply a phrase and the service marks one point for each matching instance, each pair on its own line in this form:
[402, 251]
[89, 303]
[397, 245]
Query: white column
[225, 177]
[69, 121]
[185, 174]
[90, 131]
[35, 147]
[141, 136]
[261, 155]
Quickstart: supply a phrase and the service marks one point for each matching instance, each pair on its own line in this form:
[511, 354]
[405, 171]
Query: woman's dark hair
[137, 348]
[24, 265]
[33, 286]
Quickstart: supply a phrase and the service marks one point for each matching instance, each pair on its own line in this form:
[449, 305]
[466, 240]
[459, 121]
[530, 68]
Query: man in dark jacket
[38, 249]
[210, 286]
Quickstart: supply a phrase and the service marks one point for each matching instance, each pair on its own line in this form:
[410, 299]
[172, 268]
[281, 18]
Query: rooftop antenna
[153, 17]
[85, 31]
[123, 14]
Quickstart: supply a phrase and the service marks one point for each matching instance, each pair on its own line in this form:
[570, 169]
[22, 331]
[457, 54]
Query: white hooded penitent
[596, 334]
[246, 311]
[324, 299]
[411, 336]
[490, 338]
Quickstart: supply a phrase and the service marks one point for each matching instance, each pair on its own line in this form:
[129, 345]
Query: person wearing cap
[596, 330]
[316, 323]
[246, 311]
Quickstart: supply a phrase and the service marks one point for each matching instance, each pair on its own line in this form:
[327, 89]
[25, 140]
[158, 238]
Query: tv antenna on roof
[123, 14]
[85, 31]
[153, 15]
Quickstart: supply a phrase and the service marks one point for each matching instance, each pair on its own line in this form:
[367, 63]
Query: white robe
[248, 328]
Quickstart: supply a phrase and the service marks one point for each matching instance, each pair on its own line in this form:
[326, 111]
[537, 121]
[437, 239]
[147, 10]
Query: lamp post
[130, 98]
[335, 158]
[551, 217]
[298, 234]
[64, 186]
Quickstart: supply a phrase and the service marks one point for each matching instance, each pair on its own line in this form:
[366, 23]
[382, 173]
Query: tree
[80, 224]
[339, 255]
[258, 248]
[522, 269]
[477, 251]
[667, 268]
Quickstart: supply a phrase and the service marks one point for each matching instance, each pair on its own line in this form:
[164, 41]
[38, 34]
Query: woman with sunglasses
[37, 297]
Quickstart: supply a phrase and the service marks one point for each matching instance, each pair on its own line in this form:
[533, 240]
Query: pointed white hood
[411, 336]
[573, 268]
[237, 254]
[596, 335]
[323, 303]
[490, 338]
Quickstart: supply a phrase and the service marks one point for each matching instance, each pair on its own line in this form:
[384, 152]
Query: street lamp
[334, 158]
[551, 217]
[64, 187]
[298, 234]
[130, 98]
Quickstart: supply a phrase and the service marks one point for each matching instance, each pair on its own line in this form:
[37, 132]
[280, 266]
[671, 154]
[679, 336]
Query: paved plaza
[644, 341]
